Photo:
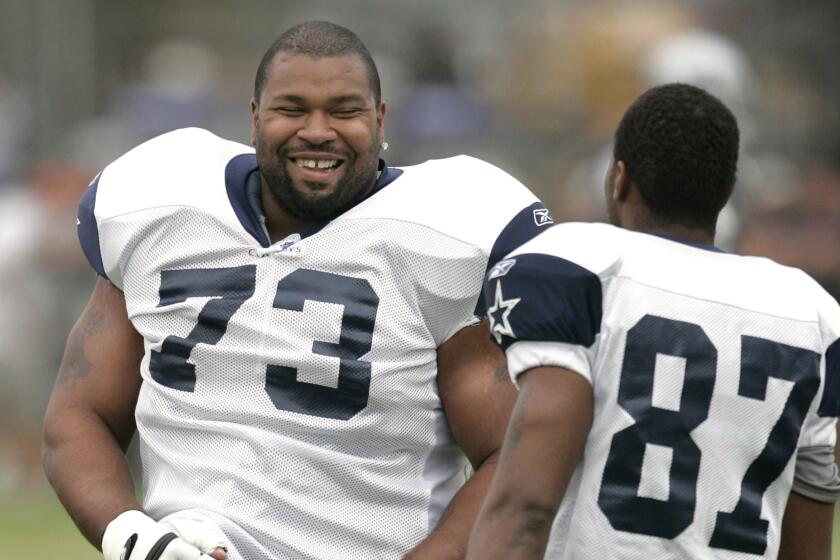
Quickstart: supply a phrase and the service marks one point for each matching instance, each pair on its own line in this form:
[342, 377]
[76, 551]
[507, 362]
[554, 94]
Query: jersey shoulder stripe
[543, 298]
[830, 404]
[88, 230]
[183, 168]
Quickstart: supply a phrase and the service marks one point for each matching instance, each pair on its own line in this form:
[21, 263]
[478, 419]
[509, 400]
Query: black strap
[157, 550]
[129, 546]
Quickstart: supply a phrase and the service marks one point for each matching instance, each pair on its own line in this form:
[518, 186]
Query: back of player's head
[319, 39]
[679, 145]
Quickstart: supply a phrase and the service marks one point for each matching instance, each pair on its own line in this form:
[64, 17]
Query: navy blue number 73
[229, 288]
[743, 529]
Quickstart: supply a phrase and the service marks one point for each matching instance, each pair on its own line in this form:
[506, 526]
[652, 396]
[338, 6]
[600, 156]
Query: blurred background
[535, 87]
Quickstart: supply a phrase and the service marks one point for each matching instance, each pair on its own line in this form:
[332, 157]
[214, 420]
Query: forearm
[449, 539]
[543, 445]
[806, 529]
[87, 468]
[512, 527]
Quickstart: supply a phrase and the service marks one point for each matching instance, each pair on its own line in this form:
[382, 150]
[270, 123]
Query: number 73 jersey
[711, 373]
[289, 389]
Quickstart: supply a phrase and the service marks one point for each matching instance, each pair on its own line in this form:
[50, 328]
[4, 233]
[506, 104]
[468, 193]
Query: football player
[293, 331]
[675, 401]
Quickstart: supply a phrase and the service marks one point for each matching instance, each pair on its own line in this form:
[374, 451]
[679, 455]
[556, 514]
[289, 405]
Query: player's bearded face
[319, 200]
[317, 132]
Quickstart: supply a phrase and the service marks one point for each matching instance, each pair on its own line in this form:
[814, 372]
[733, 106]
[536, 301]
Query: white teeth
[317, 163]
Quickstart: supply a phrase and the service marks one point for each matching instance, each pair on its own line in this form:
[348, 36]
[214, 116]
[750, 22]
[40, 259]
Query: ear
[620, 187]
[380, 121]
[255, 112]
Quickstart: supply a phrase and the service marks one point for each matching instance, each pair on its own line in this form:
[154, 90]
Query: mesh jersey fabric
[707, 368]
[289, 394]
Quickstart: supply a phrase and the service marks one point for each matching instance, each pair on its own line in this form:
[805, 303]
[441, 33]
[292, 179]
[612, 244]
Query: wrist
[132, 529]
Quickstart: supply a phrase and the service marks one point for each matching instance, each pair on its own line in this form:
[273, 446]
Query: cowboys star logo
[498, 314]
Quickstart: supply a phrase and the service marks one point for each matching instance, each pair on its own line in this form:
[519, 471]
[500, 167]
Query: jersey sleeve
[830, 327]
[816, 475]
[88, 230]
[544, 310]
[180, 169]
[526, 224]
[474, 203]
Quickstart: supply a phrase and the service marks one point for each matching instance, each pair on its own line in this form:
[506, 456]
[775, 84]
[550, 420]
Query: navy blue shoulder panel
[830, 404]
[527, 224]
[543, 298]
[87, 229]
[236, 179]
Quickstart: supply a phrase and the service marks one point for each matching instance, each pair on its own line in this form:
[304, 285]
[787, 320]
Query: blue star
[498, 314]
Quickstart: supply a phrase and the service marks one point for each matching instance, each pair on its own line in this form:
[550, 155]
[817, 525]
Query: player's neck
[279, 229]
[645, 223]
[633, 213]
[279, 222]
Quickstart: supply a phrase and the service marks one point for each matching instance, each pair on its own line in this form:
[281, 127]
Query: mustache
[313, 148]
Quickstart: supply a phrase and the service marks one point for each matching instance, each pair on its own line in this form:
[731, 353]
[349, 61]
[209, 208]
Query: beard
[303, 202]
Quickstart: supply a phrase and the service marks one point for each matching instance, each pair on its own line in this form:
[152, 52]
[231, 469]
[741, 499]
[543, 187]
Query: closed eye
[290, 111]
[346, 113]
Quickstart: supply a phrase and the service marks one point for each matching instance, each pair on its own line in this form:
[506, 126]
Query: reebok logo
[542, 217]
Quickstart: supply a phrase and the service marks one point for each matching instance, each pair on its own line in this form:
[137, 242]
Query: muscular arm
[90, 417]
[543, 445]
[806, 529]
[477, 396]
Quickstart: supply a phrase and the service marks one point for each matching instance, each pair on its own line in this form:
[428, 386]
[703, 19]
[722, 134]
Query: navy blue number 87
[742, 530]
[230, 288]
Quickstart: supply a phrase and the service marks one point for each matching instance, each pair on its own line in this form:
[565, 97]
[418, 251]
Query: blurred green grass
[34, 526]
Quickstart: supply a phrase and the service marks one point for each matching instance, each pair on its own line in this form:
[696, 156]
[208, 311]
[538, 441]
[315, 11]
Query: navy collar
[242, 182]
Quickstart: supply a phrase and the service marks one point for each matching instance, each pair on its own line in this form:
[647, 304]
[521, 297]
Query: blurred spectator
[178, 88]
[436, 115]
[44, 283]
[804, 232]
[710, 61]
[15, 111]
[718, 65]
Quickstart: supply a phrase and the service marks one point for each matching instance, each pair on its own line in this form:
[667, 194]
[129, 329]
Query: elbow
[59, 429]
[51, 439]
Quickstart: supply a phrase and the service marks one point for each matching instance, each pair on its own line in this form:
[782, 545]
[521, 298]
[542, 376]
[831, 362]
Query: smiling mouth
[317, 164]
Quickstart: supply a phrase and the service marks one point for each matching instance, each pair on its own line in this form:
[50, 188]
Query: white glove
[133, 535]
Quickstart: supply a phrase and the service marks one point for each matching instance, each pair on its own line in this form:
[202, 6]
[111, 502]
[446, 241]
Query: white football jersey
[289, 390]
[708, 372]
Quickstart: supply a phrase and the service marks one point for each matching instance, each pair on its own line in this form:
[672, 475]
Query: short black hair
[319, 39]
[679, 145]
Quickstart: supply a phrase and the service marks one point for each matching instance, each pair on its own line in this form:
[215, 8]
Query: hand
[133, 535]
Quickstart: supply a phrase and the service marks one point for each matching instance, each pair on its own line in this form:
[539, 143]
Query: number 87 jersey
[289, 389]
[715, 381]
